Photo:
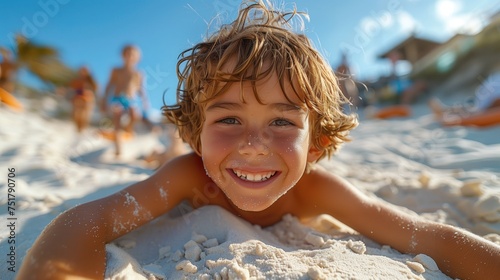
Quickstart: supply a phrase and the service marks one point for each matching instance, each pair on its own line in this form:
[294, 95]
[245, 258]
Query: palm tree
[43, 62]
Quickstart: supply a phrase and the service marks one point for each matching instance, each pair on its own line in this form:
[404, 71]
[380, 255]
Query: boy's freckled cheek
[216, 146]
[290, 141]
[217, 138]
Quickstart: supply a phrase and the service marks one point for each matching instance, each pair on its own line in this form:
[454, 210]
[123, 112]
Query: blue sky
[92, 32]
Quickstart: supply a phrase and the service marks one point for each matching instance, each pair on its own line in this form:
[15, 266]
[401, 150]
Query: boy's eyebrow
[224, 105]
[286, 107]
[282, 107]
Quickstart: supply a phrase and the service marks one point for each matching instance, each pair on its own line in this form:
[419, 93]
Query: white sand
[450, 175]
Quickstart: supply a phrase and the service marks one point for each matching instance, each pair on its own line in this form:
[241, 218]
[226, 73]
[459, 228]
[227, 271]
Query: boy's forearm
[71, 246]
[459, 253]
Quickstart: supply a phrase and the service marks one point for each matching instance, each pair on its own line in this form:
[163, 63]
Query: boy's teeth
[254, 177]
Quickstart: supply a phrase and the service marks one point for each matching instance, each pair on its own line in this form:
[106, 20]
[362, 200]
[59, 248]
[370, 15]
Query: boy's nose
[253, 145]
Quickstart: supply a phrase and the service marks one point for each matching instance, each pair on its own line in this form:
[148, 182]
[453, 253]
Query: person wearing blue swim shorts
[121, 94]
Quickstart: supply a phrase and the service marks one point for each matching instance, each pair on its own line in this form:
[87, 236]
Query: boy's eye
[281, 122]
[228, 121]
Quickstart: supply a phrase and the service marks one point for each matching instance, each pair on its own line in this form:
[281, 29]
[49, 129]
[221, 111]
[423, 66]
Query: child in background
[259, 106]
[84, 87]
[8, 70]
[124, 84]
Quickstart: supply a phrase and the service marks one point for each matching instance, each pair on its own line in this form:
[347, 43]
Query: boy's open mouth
[254, 177]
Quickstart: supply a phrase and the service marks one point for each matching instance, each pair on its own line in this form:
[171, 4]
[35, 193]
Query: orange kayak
[393, 112]
[9, 100]
[483, 120]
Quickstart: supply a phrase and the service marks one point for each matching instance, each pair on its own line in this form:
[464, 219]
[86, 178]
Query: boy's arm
[107, 90]
[142, 92]
[73, 245]
[457, 252]
[67, 247]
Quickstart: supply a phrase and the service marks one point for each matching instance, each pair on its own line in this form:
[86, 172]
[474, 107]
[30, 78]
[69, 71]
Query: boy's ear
[314, 153]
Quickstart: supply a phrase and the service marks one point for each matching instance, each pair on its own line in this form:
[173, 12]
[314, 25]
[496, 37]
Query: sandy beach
[450, 175]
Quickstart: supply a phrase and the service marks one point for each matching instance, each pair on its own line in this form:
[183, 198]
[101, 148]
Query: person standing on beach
[405, 90]
[84, 88]
[8, 71]
[346, 83]
[121, 92]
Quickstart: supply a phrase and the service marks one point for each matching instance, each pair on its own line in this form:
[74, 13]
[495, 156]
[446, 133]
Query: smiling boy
[259, 106]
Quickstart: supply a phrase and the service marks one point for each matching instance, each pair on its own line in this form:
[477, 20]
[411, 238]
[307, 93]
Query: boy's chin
[252, 205]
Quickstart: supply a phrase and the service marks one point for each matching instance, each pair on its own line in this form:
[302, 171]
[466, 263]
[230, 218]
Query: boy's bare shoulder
[329, 191]
[187, 168]
[319, 177]
[187, 159]
[115, 72]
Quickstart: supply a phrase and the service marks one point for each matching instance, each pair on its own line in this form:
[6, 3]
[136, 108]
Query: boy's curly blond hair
[261, 43]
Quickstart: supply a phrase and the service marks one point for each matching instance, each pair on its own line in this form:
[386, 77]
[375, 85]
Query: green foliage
[43, 62]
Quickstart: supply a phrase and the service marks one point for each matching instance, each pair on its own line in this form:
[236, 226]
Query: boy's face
[83, 71]
[131, 56]
[255, 152]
